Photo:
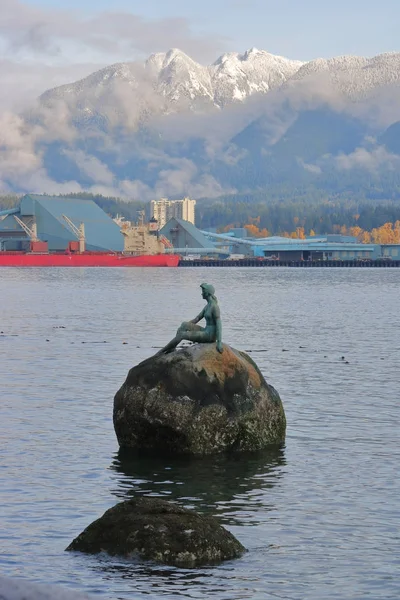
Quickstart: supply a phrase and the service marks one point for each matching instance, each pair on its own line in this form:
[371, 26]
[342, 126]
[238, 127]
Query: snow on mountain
[235, 76]
[128, 94]
[172, 82]
[354, 76]
[179, 78]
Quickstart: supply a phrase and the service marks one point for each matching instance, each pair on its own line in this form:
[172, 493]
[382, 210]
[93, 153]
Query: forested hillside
[310, 212]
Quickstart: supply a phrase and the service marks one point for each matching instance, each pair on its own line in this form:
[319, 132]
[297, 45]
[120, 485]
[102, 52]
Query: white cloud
[44, 31]
[91, 166]
[23, 82]
[368, 159]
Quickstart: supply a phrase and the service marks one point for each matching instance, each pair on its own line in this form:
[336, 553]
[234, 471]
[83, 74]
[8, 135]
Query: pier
[260, 262]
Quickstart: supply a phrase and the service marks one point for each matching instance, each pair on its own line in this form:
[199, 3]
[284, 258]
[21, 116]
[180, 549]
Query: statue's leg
[188, 326]
[186, 329]
[171, 345]
[201, 337]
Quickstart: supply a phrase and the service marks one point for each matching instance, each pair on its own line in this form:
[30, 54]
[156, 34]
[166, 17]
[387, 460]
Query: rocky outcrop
[198, 401]
[161, 531]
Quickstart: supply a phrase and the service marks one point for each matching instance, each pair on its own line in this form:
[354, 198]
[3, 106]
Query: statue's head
[207, 290]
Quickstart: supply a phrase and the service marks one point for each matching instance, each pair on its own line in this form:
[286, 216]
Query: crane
[78, 231]
[31, 232]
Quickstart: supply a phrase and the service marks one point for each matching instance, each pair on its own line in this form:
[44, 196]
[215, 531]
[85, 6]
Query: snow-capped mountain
[127, 94]
[166, 126]
[172, 82]
[235, 76]
[179, 79]
[354, 76]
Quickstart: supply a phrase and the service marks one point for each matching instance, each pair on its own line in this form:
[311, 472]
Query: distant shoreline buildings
[163, 210]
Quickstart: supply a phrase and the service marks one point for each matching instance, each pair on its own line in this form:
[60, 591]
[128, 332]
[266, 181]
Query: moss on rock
[154, 529]
[198, 401]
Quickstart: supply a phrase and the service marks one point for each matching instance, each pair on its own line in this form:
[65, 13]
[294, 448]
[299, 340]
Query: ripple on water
[319, 516]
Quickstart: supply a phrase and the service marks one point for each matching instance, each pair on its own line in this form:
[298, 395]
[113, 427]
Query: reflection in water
[155, 575]
[230, 487]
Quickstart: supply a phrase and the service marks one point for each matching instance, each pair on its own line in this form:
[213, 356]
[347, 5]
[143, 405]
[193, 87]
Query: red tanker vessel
[143, 244]
[86, 259]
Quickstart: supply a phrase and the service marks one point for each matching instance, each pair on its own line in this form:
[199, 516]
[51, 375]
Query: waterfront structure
[57, 221]
[185, 238]
[391, 251]
[188, 241]
[321, 248]
[163, 210]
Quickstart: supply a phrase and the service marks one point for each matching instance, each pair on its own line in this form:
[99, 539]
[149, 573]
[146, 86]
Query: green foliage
[280, 208]
[309, 207]
[9, 201]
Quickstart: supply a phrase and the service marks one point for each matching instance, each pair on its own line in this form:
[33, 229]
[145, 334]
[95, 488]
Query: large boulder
[158, 530]
[198, 401]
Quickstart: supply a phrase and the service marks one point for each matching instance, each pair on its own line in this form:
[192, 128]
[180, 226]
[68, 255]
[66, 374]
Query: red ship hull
[87, 259]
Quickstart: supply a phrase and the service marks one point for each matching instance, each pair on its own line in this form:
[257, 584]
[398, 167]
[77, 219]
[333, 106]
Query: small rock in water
[158, 530]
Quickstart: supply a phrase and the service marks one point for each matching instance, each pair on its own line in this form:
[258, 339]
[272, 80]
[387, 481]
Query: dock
[304, 264]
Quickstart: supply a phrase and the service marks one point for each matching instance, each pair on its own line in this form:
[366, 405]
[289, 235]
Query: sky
[44, 43]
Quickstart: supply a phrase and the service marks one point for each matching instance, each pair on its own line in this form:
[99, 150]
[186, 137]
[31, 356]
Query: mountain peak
[252, 52]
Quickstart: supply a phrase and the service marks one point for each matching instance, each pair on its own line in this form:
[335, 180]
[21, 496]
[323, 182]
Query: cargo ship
[86, 259]
[112, 242]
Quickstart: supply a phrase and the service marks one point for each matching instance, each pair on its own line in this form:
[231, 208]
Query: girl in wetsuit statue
[212, 332]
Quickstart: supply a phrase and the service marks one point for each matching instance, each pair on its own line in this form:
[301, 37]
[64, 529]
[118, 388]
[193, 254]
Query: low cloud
[311, 168]
[23, 82]
[47, 31]
[369, 159]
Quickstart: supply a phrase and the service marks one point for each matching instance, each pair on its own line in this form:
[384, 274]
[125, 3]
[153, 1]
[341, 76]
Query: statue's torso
[209, 317]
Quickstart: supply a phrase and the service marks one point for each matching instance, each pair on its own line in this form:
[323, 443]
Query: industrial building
[328, 247]
[58, 221]
[163, 210]
[186, 239]
[391, 251]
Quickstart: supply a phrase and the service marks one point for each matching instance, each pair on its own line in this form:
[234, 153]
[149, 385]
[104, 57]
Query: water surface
[319, 516]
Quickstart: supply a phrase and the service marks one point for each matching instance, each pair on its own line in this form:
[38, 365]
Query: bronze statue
[212, 332]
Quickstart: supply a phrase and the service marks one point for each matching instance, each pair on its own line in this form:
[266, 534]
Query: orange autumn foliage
[254, 231]
[388, 233]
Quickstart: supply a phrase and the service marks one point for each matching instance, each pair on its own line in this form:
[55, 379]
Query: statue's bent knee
[185, 326]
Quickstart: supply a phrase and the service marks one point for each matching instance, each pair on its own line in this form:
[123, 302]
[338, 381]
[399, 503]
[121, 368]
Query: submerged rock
[154, 529]
[198, 401]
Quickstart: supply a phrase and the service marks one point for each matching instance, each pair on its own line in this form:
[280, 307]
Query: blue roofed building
[50, 215]
[187, 239]
[318, 248]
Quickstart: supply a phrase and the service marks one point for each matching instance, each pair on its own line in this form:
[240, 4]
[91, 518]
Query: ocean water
[319, 517]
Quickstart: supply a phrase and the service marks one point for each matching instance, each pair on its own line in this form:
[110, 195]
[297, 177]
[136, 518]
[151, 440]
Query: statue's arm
[218, 328]
[199, 317]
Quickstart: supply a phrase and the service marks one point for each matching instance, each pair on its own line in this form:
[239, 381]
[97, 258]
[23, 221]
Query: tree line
[266, 215]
